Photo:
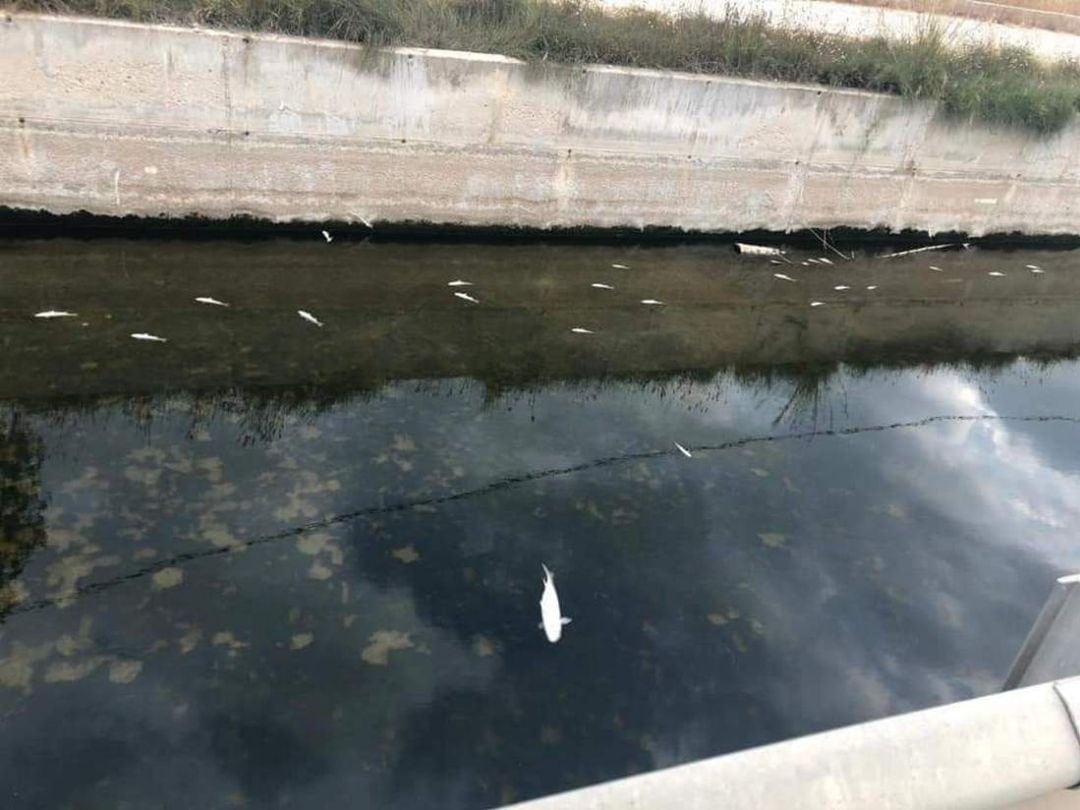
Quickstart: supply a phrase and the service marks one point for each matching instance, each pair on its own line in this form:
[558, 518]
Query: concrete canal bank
[120, 119]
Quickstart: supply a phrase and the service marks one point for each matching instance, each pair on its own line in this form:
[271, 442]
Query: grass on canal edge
[999, 86]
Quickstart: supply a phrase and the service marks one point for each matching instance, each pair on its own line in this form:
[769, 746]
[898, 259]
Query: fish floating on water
[683, 450]
[995, 273]
[757, 250]
[817, 303]
[326, 235]
[466, 297]
[54, 313]
[598, 285]
[841, 287]
[872, 287]
[147, 336]
[213, 301]
[1034, 268]
[823, 260]
[581, 330]
[782, 277]
[652, 302]
[620, 267]
[459, 283]
[936, 268]
[307, 316]
[551, 618]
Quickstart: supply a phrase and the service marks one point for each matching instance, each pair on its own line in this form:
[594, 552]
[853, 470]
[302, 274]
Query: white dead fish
[936, 269]
[54, 313]
[683, 450]
[326, 235]
[872, 287]
[213, 301]
[601, 286]
[307, 316]
[782, 277]
[581, 330]
[1034, 268]
[466, 297]
[147, 336]
[551, 618]
[841, 287]
[995, 274]
[459, 283]
[823, 260]
[817, 303]
[757, 250]
[811, 261]
[652, 302]
[806, 264]
[367, 222]
[620, 267]
[775, 261]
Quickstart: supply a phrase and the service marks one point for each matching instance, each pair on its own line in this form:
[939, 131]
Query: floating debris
[683, 450]
[466, 297]
[301, 640]
[307, 316]
[212, 301]
[782, 277]
[922, 250]
[841, 287]
[326, 235]
[652, 302]
[54, 313]
[620, 267]
[600, 286]
[383, 642]
[147, 336]
[757, 250]
[551, 618]
[995, 274]
[459, 283]
[817, 303]
[581, 330]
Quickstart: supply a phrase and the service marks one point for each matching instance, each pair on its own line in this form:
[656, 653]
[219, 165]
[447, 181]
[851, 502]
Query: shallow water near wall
[267, 563]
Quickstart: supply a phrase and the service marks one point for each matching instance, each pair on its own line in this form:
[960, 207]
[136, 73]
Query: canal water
[271, 564]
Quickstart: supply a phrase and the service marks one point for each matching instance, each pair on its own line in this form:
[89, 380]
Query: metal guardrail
[1052, 648]
[1002, 750]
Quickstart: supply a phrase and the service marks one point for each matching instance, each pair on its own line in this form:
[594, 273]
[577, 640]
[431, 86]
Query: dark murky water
[265, 564]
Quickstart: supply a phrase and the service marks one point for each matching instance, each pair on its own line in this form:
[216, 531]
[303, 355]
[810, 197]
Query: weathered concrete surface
[114, 118]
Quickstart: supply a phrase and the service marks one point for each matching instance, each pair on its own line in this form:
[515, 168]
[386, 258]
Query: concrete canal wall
[113, 118]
